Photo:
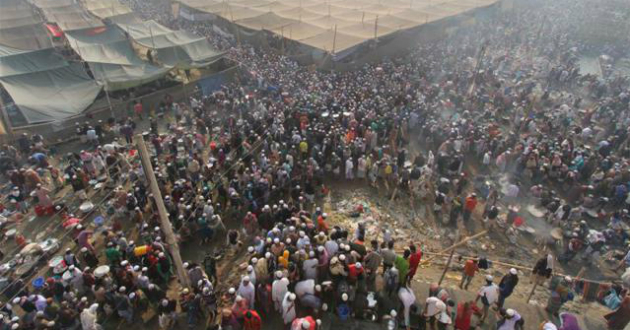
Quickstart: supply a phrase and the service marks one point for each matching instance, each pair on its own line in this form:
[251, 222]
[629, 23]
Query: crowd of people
[246, 167]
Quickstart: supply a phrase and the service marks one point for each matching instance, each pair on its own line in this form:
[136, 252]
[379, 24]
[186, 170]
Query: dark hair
[390, 244]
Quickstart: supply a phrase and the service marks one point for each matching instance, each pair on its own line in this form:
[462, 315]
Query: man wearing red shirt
[414, 262]
[354, 271]
[252, 320]
[470, 268]
[137, 108]
[469, 206]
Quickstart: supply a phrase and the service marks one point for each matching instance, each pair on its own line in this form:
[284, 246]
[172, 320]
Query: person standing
[288, 308]
[543, 269]
[507, 285]
[470, 268]
[372, 262]
[464, 315]
[559, 295]
[43, 196]
[402, 264]
[469, 206]
[488, 294]
[414, 262]
[510, 320]
[620, 318]
[252, 321]
[137, 109]
[349, 169]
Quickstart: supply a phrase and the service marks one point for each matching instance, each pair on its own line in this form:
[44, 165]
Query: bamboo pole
[334, 39]
[460, 243]
[448, 264]
[531, 293]
[165, 223]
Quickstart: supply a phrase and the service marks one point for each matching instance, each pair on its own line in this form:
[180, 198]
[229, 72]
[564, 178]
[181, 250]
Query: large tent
[112, 59]
[44, 86]
[174, 48]
[41, 83]
[338, 25]
[20, 27]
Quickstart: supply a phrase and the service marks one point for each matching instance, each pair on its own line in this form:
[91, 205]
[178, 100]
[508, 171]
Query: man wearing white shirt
[247, 291]
[288, 308]
[489, 294]
[407, 298]
[432, 309]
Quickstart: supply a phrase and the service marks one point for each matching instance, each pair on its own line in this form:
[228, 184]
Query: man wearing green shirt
[402, 264]
[112, 254]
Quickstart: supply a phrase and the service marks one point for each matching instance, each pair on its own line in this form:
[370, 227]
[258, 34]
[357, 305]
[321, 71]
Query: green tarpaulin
[52, 94]
[112, 59]
[174, 48]
[15, 62]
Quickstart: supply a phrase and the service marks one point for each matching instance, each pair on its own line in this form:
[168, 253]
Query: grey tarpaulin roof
[108, 45]
[18, 22]
[20, 27]
[15, 62]
[72, 20]
[51, 3]
[25, 37]
[52, 94]
[120, 76]
[174, 48]
[112, 59]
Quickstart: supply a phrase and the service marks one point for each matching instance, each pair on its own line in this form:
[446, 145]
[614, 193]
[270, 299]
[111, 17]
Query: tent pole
[376, 27]
[7, 122]
[109, 101]
[282, 40]
[238, 31]
[151, 32]
[334, 39]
